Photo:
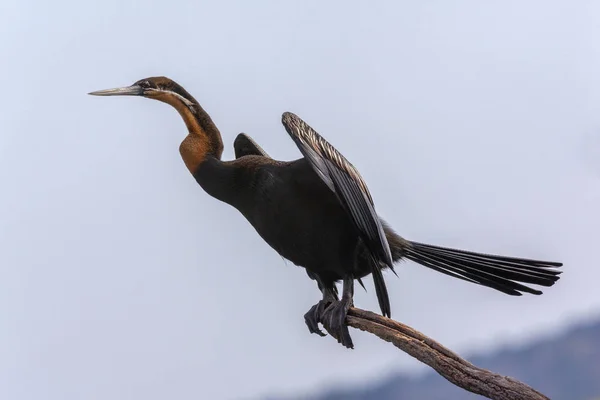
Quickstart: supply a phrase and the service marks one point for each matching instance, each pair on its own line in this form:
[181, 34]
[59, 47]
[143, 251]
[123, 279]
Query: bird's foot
[334, 321]
[315, 315]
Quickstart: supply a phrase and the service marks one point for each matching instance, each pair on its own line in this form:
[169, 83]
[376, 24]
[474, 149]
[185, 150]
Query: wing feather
[345, 181]
[244, 145]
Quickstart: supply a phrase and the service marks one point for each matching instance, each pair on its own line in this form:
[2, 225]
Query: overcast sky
[476, 125]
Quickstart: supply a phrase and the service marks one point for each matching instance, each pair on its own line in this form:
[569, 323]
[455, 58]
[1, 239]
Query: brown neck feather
[203, 139]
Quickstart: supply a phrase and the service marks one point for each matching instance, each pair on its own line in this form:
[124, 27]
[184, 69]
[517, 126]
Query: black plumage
[318, 213]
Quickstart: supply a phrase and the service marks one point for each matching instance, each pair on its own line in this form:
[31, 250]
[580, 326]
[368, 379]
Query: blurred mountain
[565, 367]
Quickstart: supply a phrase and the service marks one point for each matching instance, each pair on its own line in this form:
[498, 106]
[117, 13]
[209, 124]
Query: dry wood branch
[448, 364]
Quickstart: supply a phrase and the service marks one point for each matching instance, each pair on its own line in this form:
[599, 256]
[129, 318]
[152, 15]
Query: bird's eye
[144, 84]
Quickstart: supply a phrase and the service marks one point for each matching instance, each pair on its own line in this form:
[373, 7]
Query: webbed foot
[315, 315]
[334, 321]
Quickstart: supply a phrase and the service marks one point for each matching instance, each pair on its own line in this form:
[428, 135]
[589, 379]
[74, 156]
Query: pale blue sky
[474, 123]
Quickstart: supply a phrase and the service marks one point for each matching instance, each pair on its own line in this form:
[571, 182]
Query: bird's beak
[133, 90]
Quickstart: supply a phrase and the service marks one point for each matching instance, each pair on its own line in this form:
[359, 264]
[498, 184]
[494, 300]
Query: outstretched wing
[345, 181]
[244, 145]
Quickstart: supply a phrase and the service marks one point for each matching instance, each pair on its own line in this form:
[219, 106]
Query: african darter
[318, 213]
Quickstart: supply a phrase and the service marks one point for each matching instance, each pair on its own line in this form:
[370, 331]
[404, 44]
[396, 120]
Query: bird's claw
[334, 321]
[315, 315]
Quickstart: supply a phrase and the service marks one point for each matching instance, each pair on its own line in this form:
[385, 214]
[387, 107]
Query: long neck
[203, 139]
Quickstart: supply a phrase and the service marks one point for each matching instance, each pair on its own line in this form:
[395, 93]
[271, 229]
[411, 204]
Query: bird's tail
[506, 274]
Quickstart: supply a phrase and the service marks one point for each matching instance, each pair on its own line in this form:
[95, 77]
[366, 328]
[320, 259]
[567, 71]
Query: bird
[317, 212]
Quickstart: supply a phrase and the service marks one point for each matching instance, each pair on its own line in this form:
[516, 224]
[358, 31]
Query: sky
[475, 125]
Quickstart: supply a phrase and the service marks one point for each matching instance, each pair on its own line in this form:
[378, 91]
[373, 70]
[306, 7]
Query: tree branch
[448, 364]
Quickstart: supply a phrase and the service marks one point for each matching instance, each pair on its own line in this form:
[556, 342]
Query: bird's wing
[345, 181]
[244, 145]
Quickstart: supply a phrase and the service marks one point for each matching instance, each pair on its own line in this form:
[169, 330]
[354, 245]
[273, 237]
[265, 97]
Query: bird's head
[159, 88]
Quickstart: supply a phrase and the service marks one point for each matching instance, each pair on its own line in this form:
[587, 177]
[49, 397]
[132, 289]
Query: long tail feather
[506, 274]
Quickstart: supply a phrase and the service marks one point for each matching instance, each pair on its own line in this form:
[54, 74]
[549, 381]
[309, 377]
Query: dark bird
[318, 213]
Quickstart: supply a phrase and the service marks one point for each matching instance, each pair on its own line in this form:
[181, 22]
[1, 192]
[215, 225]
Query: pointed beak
[133, 90]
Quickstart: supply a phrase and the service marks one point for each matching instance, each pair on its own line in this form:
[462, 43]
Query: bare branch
[448, 364]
